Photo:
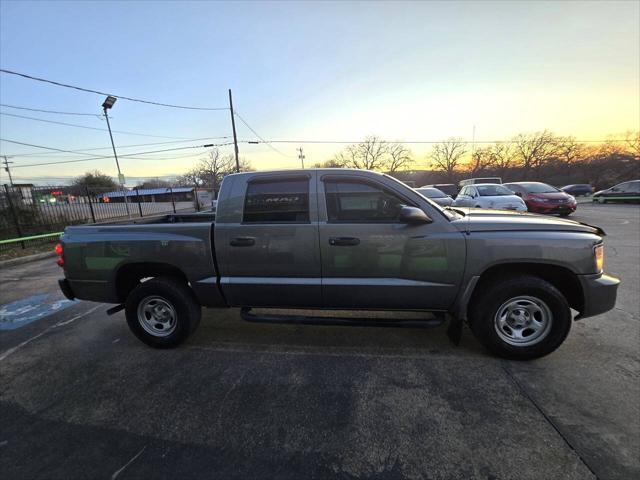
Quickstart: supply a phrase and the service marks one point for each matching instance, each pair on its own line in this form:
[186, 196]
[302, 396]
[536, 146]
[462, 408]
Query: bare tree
[632, 141]
[399, 157]
[210, 170]
[568, 153]
[502, 158]
[370, 154]
[336, 162]
[481, 160]
[534, 150]
[447, 156]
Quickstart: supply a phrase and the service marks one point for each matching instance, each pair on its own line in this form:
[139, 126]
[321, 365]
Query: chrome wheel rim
[157, 316]
[523, 321]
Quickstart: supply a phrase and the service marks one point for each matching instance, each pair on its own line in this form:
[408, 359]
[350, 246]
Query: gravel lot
[80, 397]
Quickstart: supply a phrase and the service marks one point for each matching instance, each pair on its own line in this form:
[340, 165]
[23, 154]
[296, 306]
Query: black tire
[484, 310]
[565, 214]
[173, 295]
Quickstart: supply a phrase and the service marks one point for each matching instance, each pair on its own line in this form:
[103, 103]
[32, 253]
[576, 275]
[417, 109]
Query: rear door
[372, 260]
[267, 241]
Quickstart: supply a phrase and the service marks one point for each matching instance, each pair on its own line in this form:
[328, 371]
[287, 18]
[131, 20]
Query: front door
[371, 260]
[268, 244]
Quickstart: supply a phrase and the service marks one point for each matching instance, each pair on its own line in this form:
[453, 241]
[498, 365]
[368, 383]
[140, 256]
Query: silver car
[436, 195]
[489, 195]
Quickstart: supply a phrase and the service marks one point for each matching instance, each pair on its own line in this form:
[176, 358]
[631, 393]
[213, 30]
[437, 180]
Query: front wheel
[521, 318]
[162, 312]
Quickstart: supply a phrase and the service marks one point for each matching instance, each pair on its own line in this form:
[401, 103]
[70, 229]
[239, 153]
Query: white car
[489, 195]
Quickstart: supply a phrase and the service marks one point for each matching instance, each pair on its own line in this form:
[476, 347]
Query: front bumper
[63, 283]
[552, 208]
[600, 293]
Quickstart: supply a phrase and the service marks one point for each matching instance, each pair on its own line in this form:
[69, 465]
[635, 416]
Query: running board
[246, 314]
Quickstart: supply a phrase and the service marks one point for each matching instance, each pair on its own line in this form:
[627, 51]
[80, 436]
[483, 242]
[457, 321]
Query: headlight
[599, 254]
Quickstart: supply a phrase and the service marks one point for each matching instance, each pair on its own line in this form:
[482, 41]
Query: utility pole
[473, 142]
[301, 156]
[6, 167]
[233, 126]
[108, 103]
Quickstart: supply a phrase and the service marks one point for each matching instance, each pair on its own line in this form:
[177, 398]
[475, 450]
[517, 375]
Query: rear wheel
[521, 318]
[162, 312]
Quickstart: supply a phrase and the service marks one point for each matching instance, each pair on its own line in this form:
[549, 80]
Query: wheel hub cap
[523, 321]
[157, 316]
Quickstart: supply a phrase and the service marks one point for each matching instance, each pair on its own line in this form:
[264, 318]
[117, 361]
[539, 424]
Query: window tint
[361, 203]
[629, 187]
[493, 190]
[277, 201]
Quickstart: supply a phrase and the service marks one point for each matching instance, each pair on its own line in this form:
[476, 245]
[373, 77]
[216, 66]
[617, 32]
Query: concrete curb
[29, 258]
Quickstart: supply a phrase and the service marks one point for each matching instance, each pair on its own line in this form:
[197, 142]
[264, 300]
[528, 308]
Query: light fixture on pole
[106, 105]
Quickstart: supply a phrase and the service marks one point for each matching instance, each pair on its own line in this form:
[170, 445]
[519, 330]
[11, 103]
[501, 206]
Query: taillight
[60, 252]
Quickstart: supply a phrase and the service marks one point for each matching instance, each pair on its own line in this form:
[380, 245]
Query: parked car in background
[448, 188]
[543, 198]
[623, 192]
[436, 195]
[475, 181]
[489, 195]
[578, 189]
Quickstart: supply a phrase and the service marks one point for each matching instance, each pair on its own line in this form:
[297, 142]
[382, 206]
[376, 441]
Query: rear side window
[277, 201]
[355, 202]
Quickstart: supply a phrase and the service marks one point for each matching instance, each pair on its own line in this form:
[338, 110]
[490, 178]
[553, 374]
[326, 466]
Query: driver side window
[356, 202]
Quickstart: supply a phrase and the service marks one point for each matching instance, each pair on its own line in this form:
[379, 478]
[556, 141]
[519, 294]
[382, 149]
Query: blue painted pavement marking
[21, 312]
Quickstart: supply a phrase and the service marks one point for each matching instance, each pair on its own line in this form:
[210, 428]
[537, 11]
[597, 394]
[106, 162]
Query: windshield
[493, 190]
[431, 192]
[538, 188]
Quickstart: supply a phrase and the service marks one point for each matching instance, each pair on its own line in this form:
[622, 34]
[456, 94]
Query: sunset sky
[310, 71]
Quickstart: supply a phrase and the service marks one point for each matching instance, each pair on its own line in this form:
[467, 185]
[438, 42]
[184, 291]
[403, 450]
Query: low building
[151, 195]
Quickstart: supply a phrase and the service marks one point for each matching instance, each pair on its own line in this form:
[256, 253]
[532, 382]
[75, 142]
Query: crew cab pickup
[339, 239]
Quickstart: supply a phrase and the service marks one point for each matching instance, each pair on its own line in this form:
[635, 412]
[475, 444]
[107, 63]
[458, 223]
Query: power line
[84, 126]
[38, 154]
[50, 111]
[88, 90]
[130, 156]
[257, 135]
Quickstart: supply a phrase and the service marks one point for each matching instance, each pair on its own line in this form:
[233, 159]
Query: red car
[543, 198]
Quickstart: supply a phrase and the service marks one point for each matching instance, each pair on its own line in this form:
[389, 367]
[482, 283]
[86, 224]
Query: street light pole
[108, 103]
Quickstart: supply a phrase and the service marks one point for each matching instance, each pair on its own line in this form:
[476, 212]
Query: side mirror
[518, 193]
[413, 216]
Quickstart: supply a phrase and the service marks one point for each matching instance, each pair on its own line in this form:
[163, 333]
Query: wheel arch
[129, 275]
[560, 277]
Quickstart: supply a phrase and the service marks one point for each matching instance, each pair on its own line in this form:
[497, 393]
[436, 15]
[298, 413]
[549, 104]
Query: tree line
[541, 156]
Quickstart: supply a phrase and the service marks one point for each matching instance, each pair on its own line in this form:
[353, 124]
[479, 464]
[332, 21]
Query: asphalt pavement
[80, 397]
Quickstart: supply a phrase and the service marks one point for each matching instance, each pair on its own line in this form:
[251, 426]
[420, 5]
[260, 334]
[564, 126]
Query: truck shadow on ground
[226, 330]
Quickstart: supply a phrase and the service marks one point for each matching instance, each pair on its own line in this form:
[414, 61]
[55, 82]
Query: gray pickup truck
[339, 239]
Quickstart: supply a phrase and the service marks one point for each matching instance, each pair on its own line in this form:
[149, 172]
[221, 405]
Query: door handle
[242, 242]
[344, 241]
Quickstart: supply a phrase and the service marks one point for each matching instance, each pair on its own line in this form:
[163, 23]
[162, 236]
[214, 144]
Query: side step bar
[246, 314]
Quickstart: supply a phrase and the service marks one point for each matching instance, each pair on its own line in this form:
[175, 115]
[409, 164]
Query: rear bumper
[63, 283]
[600, 292]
